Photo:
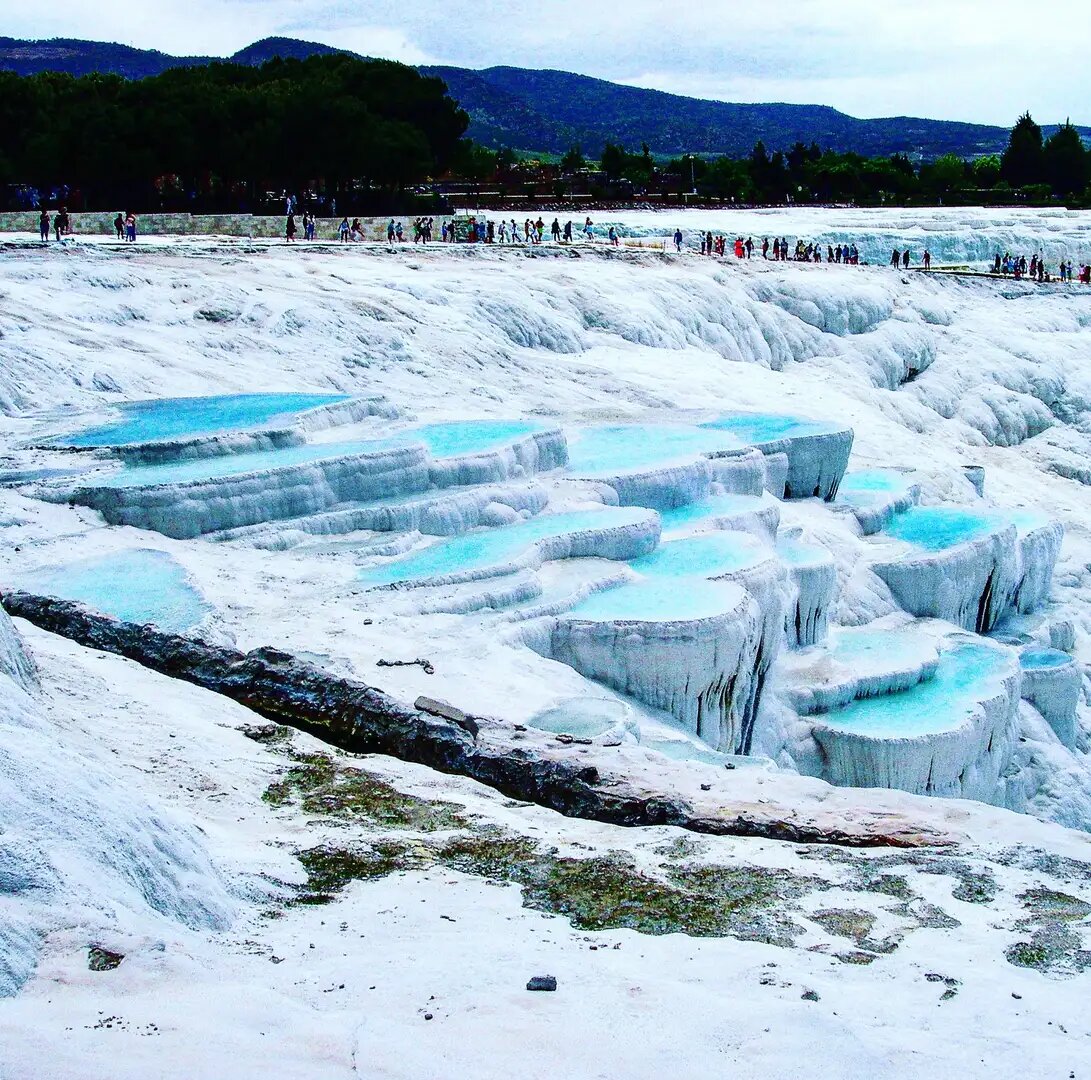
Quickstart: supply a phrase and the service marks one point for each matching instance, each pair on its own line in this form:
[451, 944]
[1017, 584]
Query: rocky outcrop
[363, 719]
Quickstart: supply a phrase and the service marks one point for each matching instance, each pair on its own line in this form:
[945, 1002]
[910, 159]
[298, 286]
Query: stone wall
[94, 224]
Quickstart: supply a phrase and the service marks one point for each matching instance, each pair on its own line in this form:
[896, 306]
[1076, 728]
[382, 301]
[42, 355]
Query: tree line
[1031, 168]
[224, 135]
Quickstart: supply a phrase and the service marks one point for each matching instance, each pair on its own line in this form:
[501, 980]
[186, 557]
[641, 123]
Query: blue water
[796, 553]
[683, 750]
[1026, 521]
[140, 586]
[892, 648]
[498, 547]
[754, 429]
[710, 555]
[1039, 659]
[967, 674]
[442, 440]
[872, 487]
[471, 436]
[177, 418]
[715, 506]
[255, 461]
[669, 600]
[620, 449]
[583, 718]
[934, 528]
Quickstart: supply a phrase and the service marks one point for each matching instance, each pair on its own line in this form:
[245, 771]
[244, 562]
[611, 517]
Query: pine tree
[1067, 164]
[1023, 161]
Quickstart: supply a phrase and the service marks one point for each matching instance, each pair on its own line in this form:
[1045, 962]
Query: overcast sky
[983, 60]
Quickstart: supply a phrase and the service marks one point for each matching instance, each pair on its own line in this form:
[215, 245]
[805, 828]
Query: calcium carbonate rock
[817, 453]
[700, 666]
[875, 496]
[538, 452]
[188, 509]
[852, 666]
[79, 846]
[1052, 684]
[15, 662]
[971, 567]
[616, 533]
[814, 576]
[952, 736]
[440, 514]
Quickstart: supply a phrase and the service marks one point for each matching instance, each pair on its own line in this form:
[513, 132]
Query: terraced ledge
[291, 431]
[363, 719]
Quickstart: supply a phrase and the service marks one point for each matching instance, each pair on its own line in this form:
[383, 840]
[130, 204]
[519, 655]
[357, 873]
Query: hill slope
[553, 110]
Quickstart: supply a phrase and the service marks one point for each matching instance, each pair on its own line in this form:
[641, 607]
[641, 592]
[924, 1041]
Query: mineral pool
[872, 487]
[165, 419]
[707, 556]
[935, 528]
[472, 436]
[139, 586]
[967, 674]
[709, 511]
[756, 429]
[797, 553]
[583, 718]
[502, 547]
[257, 461]
[624, 449]
[1043, 659]
[660, 602]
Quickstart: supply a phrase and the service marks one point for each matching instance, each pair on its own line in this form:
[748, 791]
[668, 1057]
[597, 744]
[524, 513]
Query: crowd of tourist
[486, 230]
[1017, 267]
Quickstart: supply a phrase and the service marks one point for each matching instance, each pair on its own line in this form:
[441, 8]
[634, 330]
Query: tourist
[357, 233]
[927, 259]
[905, 259]
[43, 226]
[343, 230]
[749, 247]
[60, 223]
[588, 230]
[390, 231]
[615, 240]
[119, 226]
[555, 229]
[289, 228]
[568, 231]
[130, 227]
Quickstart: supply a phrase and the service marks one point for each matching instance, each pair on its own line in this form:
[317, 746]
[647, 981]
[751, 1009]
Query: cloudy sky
[984, 60]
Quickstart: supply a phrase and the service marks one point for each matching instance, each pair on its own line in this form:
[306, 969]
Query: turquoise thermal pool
[442, 440]
[797, 553]
[197, 469]
[471, 436]
[1043, 659]
[659, 601]
[499, 547]
[707, 556]
[140, 586]
[934, 528]
[178, 418]
[967, 674]
[871, 487]
[715, 506]
[755, 429]
[622, 449]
